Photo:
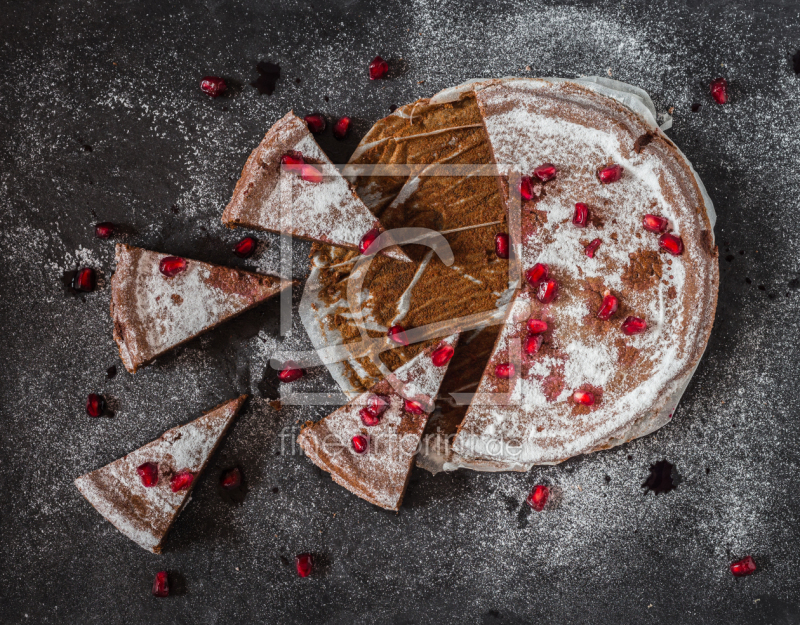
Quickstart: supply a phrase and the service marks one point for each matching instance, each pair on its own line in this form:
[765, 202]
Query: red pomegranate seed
[293, 161]
[634, 325]
[442, 355]
[581, 217]
[309, 173]
[367, 239]
[505, 370]
[149, 474]
[538, 497]
[501, 245]
[536, 326]
[84, 280]
[673, 244]
[231, 479]
[538, 273]
[104, 230]
[719, 90]
[608, 307]
[95, 405]
[171, 266]
[591, 248]
[213, 86]
[378, 68]
[612, 173]
[181, 481]
[413, 407]
[545, 172]
[398, 335]
[377, 404]
[526, 187]
[304, 564]
[583, 397]
[369, 419]
[360, 444]
[245, 247]
[654, 223]
[316, 123]
[745, 566]
[533, 343]
[547, 291]
[161, 585]
[341, 128]
[290, 373]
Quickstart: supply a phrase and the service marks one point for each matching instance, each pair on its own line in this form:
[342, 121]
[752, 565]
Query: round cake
[584, 275]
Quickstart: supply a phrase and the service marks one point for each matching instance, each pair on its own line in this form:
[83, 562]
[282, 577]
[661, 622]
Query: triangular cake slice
[155, 310]
[325, 208]
[380, 473]
[145, 514]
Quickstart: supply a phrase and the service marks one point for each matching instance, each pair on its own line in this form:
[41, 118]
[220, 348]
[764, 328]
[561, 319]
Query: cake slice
[309, 199]
[171, 464]
[160, 301]
[368, 446]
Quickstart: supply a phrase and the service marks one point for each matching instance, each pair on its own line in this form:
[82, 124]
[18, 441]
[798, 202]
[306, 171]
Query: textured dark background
[101, 119]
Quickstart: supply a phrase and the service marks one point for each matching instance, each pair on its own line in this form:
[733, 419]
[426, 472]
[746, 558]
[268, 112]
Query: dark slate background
[101, 119]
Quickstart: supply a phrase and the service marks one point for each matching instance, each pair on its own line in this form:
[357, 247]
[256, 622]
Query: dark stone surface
[102, 119]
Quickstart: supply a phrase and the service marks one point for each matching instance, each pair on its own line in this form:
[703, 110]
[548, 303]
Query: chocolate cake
[368, 446]
[306, 197]
[159, 302]
[170, 466]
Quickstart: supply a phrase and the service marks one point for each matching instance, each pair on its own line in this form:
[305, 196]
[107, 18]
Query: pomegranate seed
[377, 404]
[171, 266]
[719, 90]
[316, 122]
[442, 355]
[505, 370]
[304, 564]
[547, 291]
[538, 273]
[181, 481]
[634, 325]
[245, 247]
[533, 343]
[538, 497]
[745, 566]
[213, 86]
[378, 68]
[545, 172]
[149, 474]
[341, 128]
[536, 326]
[293, 161]
[501, 245]
[367, 239]
[654, 223]
[84, 280]
[526, 187]
[581, 218]
[369, 419]
[591, 248]
[398, 335]
[104, 230]
[608, 307]
[161, 585]
[309, 173]
[95, 405]
[360, 444]
[612, 173]
[231, 479]
[414, 407]
[583, 397]
[671, 243]
[290, 373]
